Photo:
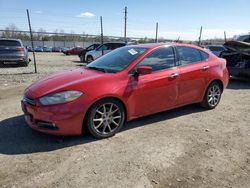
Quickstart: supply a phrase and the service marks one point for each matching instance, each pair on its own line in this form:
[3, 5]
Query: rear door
[193, 67]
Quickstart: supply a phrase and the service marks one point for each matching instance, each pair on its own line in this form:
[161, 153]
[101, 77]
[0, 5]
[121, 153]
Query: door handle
[205, 67]
[174, 75]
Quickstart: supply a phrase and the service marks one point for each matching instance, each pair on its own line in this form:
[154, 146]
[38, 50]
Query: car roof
[10, 39]
[156, 45]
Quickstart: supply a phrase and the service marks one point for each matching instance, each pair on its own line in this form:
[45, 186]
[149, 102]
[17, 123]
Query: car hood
[61, 81]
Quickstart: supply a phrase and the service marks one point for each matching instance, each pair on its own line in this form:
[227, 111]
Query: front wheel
[105, 118]
[212, 96]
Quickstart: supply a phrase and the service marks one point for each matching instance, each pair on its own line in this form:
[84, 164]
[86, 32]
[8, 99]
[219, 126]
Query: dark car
[216, 49]
[12, 51]
[47, 49]
[73, 51]
[39, 49]
[57, 49]
[29, 48]
[243, 38]
[84, 51]
[238, 58]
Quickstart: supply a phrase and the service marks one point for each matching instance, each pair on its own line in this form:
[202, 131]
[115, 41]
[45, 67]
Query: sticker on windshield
[132, 51]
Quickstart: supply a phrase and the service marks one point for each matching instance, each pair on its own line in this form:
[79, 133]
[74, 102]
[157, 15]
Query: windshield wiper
[97, 68]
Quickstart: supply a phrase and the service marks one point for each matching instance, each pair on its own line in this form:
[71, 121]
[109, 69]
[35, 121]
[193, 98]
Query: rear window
[9, 43]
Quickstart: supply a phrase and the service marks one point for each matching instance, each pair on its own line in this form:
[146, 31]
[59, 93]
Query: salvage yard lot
[185, 147]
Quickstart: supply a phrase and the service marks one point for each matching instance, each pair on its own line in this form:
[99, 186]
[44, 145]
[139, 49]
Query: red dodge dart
[125, 84]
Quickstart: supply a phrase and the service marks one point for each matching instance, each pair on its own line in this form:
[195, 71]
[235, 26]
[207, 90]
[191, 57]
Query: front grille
[29, 101]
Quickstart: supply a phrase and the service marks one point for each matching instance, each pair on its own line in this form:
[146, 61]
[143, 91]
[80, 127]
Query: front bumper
[64, 119]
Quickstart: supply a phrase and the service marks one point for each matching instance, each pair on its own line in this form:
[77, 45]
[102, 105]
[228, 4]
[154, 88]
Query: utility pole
[101, 34]
[31, 38]
[125, 24]
[156, 33]
[200, 36]
[225, 36]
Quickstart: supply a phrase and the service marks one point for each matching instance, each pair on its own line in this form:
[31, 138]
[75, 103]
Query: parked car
[125, 84]
[12, 51]
[29, 49]
[237, 54]
[216, 49]
[73, 51]
[57, 49]
[84, 51]
[38, 49]
[242, 38]
[47, 49]
[106, 48]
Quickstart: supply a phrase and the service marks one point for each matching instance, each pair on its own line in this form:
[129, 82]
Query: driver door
[157, 91]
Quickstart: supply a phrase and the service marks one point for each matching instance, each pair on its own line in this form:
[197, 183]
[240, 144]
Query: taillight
[19, 49]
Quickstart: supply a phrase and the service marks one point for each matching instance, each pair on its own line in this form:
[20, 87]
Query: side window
[118, 45]
[204, 56]
[103, 47]
[188, 55]
[109, 47]
[90, 48]
[159, 59]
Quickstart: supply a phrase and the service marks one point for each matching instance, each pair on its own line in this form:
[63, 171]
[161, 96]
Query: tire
[105, 118]
[89, 59]
[212, 96]
[25, 64]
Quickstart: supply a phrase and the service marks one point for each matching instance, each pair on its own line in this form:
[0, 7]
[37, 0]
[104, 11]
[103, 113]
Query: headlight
[61, 97]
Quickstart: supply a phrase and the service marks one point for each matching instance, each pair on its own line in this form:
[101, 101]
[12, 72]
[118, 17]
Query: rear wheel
[105, 118]
[212, 96]
[25, 64]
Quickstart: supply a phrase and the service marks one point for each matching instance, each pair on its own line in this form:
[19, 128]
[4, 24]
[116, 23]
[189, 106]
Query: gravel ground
[185, 147]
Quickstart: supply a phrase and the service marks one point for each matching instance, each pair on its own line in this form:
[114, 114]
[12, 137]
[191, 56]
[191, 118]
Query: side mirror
[142, 70]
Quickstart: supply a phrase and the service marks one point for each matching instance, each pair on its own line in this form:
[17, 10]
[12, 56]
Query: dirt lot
[186, 147]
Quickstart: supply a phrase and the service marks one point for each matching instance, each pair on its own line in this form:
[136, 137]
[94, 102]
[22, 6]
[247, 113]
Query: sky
[176, 18]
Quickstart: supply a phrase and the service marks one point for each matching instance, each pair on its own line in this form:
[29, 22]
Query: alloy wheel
[107, 118]
[214, 94]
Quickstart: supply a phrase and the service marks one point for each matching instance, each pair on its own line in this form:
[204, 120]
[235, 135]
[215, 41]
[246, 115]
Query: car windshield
[9, 43]
[117, 60]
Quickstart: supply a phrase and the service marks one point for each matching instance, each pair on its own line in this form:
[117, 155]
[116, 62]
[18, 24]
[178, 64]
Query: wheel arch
[219, 82]
[99, 99]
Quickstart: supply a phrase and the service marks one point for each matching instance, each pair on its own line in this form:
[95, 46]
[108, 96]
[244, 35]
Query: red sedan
[125, 84]
[73, 51]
